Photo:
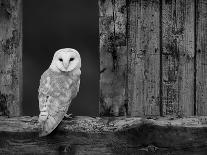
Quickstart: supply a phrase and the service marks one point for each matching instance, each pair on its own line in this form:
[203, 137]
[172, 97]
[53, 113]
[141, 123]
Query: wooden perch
[87, 135]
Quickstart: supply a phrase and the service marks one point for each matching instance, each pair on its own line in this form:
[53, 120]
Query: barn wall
[153, 57]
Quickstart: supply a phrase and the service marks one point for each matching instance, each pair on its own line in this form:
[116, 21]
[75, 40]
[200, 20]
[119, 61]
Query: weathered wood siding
[10, 57]
[164, 57]
[143, 57]
[201, 57]
[113, 57]
[178, 57]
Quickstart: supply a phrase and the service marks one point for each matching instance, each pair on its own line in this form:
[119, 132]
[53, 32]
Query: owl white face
[66, 60]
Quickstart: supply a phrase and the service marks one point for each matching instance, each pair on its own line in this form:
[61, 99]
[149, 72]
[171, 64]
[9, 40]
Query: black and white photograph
[103, 77]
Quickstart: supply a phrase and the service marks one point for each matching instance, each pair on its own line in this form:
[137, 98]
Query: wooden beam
[10, 57]
[104, 135]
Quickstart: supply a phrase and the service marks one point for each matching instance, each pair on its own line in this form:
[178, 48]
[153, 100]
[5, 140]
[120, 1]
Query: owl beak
[66, 65]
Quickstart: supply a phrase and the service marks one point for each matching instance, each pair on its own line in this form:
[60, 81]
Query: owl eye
[60, 59]
[71, 59]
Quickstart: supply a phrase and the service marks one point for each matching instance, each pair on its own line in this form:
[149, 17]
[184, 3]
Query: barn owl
[59, 84]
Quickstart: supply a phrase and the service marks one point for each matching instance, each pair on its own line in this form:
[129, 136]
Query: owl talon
[43, 116]
[68, 116]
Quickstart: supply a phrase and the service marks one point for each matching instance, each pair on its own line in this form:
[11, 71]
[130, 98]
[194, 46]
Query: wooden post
[10, 57]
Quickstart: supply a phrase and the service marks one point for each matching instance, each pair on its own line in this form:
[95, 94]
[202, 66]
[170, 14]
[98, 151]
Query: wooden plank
[10, 57]
[86, 124]
[113, 57]
[178, 57]
[201, 57]
[143, 58]
[121, 135]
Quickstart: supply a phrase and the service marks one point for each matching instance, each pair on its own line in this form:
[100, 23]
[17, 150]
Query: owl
[59, 84]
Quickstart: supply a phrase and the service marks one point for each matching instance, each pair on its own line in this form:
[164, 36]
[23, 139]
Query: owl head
[66, 60]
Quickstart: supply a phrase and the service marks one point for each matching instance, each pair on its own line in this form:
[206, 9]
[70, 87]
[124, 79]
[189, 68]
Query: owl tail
[42, 118]
[48, 126]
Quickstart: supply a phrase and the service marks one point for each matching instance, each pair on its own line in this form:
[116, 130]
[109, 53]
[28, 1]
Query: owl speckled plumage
[59, 84]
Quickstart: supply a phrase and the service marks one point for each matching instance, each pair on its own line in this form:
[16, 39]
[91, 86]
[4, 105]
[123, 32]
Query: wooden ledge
[128, 133]
[99, 125]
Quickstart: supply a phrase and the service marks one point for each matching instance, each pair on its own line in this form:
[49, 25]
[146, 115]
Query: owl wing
[44, 90]
[55, 95]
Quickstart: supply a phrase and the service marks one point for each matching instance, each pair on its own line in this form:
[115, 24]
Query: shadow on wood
[120, 135]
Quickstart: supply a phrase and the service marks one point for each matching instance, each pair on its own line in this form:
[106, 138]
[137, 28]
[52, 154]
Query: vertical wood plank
[10, 57]
[201, 57]
[113, 57]
[143, 57]
[178, 57]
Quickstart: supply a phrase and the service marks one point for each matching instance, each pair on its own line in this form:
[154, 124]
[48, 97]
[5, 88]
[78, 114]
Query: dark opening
[51, 25]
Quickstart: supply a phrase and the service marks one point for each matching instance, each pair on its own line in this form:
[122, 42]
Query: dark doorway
[51, 25]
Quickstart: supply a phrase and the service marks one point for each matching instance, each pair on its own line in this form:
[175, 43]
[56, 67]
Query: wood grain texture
[201, 58]
[113, 57]
[86, 124]
[143, 58]
[120, 135]
[178, 57]
[10, 57]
